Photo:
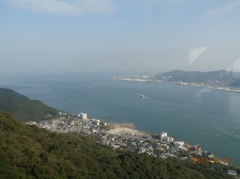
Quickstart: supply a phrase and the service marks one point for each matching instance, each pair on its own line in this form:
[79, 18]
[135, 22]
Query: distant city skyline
[44, 36]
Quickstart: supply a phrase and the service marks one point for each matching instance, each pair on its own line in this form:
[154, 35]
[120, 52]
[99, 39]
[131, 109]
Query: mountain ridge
[231, 79]
[23, 108]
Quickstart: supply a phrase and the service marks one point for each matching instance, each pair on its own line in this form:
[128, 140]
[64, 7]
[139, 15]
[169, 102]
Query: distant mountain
[23, 108]
[30, 152]
[196, 76]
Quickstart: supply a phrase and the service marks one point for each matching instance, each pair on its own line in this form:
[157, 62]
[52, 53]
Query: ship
[141, 96]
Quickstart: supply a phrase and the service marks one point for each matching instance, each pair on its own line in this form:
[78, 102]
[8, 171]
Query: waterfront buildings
[82, 115]
[165, 137]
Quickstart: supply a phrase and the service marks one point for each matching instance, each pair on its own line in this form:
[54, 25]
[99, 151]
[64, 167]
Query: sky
[138, 36]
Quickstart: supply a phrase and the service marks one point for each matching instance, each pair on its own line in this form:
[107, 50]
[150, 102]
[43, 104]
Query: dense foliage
[30, 152]
[23, 108]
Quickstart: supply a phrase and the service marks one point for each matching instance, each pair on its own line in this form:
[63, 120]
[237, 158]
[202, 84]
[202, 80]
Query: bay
[196, 115]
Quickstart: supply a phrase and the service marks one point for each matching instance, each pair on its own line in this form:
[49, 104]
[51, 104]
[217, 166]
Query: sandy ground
[125, 129]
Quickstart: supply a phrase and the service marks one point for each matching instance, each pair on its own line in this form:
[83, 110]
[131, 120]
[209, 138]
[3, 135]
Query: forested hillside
[28, 151]
[23, 108]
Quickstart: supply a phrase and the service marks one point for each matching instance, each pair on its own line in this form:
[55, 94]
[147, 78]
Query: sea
[194, 115]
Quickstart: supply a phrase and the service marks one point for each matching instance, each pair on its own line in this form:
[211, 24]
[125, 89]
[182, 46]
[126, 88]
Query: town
[211, 84]
[126, 137]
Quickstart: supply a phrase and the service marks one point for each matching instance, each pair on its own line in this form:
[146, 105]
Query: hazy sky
[44, 36]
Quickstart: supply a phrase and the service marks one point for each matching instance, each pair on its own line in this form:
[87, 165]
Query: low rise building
[232, 172]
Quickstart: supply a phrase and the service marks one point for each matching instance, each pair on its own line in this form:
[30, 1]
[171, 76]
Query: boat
[141, 96]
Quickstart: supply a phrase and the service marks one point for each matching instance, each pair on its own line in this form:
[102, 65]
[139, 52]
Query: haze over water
[196, 115]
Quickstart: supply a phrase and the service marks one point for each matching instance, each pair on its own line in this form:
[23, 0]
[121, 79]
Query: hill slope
[23, 108]
[30, 152]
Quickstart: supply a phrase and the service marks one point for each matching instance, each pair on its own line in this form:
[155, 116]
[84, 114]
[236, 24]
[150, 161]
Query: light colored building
[163, 135]
[165, 146]
[179, 143]
[232, 172]
[169, 139]
[208, 154]
[82, 115]
[197, 147]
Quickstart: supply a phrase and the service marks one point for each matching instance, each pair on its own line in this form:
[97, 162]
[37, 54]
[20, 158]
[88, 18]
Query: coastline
[208, 87]
[200, 85]
[128, 129]
[125, 136]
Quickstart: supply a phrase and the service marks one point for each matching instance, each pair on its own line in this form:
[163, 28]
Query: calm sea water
[207, 117]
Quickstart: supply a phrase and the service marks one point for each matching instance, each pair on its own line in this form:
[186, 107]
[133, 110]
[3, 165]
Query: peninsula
[219, 80]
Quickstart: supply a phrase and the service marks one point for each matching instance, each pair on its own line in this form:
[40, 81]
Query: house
[179, 144]
[169, 139]
[224, 163]
[163, 156]
[142, 150]
[82, 115]
[197, 147]
[208, 154]
[232, 172]
[165, 146]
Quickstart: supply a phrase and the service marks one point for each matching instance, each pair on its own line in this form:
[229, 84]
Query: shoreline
[208, 87]
[199, 85]
[129, 128]
[125, 136]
